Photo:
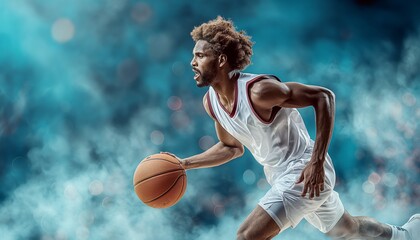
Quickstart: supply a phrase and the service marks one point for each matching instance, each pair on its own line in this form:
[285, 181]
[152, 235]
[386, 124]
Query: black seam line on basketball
[166, 190]
[157, 175]
[180, 193]
[149, 159]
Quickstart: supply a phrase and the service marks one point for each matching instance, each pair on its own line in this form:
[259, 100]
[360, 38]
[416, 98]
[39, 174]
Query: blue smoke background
[89, 88]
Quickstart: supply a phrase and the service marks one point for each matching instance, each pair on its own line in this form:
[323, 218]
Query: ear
[222, 60]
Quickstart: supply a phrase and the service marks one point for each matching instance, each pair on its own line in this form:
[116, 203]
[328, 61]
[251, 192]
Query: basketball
[160, 180]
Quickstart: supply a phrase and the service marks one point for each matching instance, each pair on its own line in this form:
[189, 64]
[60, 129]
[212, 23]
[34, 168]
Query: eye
[200, 55]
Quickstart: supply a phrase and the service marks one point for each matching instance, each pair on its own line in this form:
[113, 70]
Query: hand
[173, 155]
[170, 154]
[312, 177]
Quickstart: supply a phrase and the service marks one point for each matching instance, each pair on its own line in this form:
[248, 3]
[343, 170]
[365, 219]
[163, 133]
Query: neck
[225, 86]
[233, 73]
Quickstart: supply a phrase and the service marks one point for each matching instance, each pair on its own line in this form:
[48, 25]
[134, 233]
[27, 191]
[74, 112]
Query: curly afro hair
[224, 38]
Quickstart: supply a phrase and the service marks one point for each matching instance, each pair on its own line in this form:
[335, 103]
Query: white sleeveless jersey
[274, 143]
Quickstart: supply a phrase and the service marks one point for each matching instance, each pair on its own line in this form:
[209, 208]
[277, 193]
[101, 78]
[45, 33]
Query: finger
[300, 178]
[170, 154]
[312, 193]
[322, 187]
[305, 190]
[317, 190]
[183, 164]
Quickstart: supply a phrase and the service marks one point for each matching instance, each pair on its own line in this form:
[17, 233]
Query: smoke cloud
[88, 89]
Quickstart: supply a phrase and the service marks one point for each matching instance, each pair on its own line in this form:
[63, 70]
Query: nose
[193, 62]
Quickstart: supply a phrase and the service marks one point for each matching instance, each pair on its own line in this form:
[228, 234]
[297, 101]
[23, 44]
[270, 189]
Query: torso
[275, 136]
[264, 112]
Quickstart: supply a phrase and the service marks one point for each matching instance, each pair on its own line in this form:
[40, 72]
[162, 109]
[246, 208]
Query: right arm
[228, 148]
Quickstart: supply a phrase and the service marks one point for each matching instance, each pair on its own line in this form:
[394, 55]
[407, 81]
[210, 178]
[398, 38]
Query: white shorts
[283, 202]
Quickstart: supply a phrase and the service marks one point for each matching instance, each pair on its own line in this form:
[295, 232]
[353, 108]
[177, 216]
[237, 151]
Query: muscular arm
[228, 148]
[271, 93]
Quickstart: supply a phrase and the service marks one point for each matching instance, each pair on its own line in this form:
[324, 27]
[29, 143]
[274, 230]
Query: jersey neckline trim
[235, 104]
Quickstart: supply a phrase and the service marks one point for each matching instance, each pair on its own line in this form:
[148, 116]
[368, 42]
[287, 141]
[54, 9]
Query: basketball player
[259, 112]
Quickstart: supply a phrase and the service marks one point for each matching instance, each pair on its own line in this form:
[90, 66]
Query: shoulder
[267, 87]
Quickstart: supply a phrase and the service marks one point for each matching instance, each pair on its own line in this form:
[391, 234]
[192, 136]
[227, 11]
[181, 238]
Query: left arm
[270, 93]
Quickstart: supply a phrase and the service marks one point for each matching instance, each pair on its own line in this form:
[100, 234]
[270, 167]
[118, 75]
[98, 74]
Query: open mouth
[197, 74]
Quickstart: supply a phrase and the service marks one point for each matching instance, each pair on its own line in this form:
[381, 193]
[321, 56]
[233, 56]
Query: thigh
[285, 203]
[258, 225]
[328, 214]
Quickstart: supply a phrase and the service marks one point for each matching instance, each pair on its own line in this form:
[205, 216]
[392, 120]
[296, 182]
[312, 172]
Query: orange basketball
[160, 180]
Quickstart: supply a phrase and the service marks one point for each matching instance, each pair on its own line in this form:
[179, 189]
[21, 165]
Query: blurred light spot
[71, 192]
[45, 224]
[206, 142]
[96, 187]
[407, 128]
[87, 218]
[380, 201]
[178, 69]
[115, 184]
[174, 103]
[381, 205]
[391, 152]
[62, 30]
[216, 199]
[114, 6]
[160, 46]
[396, 110]
[219, 210]
[180, 119]
[409, 99]
[371, 133]
[368, 187]
[141, 12]
[106, 202]
[262, 184]
[157, 137]
[374, 178]
[390, 179]
[128, 71]
[249, 177]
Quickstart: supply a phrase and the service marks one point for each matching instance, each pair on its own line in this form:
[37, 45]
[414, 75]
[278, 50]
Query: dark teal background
[89, 88]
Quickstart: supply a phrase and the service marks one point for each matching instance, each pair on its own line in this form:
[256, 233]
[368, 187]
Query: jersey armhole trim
[210, 106]
[275, 110]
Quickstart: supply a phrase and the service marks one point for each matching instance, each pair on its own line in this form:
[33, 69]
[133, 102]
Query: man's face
[204, 63]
